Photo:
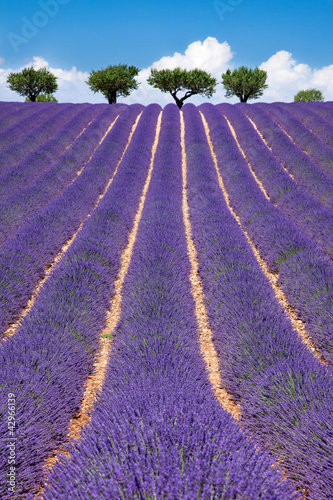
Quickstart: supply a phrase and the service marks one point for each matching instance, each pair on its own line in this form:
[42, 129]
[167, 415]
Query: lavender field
[166, 284]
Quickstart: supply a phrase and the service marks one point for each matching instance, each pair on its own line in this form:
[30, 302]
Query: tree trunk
[112, 97]
[32, 98]
[244, 98]
[179, 102]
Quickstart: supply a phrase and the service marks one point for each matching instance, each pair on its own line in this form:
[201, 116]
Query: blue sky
[90, 34]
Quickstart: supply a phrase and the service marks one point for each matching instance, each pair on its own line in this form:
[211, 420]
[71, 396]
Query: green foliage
[30, 82]
[309, 95]
[44, 98]
[245, 83]
[113, 81]
[193, 82]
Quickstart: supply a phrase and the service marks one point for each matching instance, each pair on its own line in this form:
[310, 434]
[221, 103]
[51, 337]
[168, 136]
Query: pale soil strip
[84, 128]
[79, 172]
[95, 382]
[273, 278]
[289, 136]
[268, 146]
[205, 334]
[247, 161]
[13, 327]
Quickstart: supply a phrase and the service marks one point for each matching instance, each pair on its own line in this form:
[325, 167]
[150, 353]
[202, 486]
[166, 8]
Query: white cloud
[209, 55]
[286, 77]
[323, 80]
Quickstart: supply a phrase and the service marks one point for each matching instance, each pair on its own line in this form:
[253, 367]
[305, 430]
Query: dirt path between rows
[205, 334]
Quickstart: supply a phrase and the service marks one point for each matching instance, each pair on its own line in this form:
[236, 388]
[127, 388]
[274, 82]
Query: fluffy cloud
[323, 80]
[286, 77]
[209, 55]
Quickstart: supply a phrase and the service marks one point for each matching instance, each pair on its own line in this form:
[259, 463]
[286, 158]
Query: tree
[245, 83]
[195, 81]
[31, 82]
[113, 81]
[309, 95]
[44, 98]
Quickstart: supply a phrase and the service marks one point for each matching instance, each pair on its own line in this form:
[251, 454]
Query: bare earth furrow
[206, 336]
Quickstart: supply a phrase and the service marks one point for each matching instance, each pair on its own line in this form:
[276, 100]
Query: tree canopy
[195, 81]
[113, 81]
[245, 83]
[309, 95]
[31, 82]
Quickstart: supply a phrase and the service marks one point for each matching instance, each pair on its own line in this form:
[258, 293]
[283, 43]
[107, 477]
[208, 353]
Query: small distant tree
[245, 83]
[309, 95]
[31, 82]
[114, 81]
[44, 98]
[192, 82]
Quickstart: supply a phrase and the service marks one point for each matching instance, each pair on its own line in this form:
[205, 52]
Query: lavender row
[46, 364]
[35, 163]
[19, 129]
[7, 107]
[24, 257]
[15, 112]
[157, 431]
[305, 274]
[285, 393]
[20, 207]
[309, 214]
[22, 147]
[310, 177]
[322, 109]
[320, 154]
[317, 124]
